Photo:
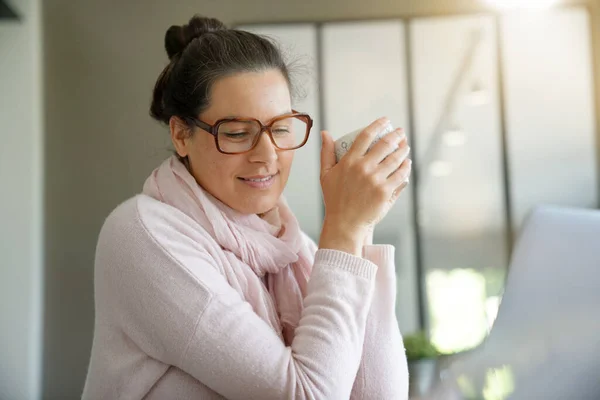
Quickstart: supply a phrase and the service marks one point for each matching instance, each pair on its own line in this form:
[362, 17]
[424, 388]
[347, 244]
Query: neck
[272, 217]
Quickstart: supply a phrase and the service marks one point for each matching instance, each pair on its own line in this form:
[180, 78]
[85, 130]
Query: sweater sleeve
[172, 301]
[383, 372]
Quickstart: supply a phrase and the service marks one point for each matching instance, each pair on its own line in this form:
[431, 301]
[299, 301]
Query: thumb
[327, 153]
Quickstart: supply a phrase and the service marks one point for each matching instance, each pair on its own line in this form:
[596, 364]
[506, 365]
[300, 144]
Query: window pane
[549, 109]
[462, 216]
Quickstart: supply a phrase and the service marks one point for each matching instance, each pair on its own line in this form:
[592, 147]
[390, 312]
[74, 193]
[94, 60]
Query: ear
[180, 135]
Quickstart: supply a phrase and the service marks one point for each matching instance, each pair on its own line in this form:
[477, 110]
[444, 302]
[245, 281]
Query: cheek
[220, 169]
[210, 166]
[285, 162]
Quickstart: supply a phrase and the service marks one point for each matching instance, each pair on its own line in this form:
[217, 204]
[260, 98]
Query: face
[232, 178]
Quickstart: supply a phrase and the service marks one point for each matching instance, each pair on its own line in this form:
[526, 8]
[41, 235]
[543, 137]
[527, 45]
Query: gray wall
[20, 203]
[101, 61]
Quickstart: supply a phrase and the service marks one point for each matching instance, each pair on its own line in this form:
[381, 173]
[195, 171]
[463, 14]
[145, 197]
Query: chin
[255, 201]
[260, 206]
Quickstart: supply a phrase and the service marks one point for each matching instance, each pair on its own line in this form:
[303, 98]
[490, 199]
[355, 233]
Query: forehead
[262, 95]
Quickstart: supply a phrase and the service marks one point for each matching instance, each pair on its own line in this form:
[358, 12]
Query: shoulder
[148, 212]
[142, 225]
[156, 219]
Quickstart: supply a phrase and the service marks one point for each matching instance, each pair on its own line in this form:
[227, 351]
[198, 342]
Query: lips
[259, 181]
[262, 177]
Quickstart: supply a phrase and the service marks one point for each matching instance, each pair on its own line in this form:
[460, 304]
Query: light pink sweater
[169, 326]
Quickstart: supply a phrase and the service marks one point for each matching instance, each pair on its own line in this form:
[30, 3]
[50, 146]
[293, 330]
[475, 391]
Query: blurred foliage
[419, 347]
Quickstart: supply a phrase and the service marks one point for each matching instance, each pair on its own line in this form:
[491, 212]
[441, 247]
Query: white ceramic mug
[342, 145]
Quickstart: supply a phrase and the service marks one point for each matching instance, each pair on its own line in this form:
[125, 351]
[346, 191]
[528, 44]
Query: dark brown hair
[201, 52]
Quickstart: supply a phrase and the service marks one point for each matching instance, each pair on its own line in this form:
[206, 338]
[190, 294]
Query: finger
[386, 146]
[399, 189]
[400, 176]
[365, 138]
[394, 160]
[327, 153]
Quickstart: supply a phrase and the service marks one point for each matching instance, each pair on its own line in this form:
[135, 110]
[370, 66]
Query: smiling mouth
[258, 179]
[265, 179]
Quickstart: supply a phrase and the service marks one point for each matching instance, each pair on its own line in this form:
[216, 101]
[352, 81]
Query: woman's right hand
[360, 189]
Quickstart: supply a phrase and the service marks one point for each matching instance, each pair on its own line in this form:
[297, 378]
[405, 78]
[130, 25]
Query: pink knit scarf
[253, 249]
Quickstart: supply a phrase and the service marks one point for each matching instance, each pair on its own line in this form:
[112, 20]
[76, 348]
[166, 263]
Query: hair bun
[178, 37]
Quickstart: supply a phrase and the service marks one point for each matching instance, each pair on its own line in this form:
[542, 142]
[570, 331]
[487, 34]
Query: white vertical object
[21, 203]
[303, 190]
[364, 77]
[461, 182]
[549, 109]
[462, 214]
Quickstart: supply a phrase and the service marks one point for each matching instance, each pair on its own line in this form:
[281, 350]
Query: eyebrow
[277, 116]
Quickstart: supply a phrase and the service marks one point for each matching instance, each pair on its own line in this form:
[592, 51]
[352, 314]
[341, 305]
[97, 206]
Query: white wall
[20, 203]
[552, 136]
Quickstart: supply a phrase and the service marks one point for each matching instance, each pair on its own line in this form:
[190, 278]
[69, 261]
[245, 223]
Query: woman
[205, 286]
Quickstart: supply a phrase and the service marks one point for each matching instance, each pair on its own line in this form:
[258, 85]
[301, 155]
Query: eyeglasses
[240, 135]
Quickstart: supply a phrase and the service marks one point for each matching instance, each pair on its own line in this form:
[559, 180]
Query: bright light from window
[492, 304]
[508, 4]
[457, 308]
[499, 383]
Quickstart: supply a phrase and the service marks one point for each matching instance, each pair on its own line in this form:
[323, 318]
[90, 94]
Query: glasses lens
[237, 136]
[289, 133]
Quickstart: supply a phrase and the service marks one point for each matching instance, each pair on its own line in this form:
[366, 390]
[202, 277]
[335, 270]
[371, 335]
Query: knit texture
[182, 313]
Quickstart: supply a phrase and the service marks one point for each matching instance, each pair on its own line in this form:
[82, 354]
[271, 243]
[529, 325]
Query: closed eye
[236, 135]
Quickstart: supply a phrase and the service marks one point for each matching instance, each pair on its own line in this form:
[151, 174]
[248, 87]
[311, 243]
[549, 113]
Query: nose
[265, 151]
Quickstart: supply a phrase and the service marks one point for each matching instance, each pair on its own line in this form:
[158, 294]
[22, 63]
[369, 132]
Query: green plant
[419, 347]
